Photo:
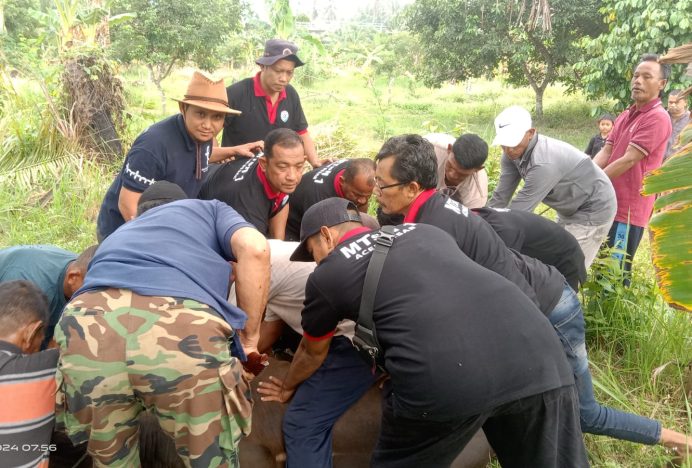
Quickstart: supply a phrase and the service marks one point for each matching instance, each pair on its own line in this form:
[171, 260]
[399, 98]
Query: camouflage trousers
[123, 353]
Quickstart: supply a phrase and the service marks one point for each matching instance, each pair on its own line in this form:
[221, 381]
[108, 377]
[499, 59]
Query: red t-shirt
[647, 129]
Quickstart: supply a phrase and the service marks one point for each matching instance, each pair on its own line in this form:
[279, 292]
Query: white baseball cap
[511, 125]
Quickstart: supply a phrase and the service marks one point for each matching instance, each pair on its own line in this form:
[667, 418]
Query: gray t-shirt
[562, 177]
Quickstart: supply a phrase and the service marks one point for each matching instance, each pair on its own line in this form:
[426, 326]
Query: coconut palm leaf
[671, 238]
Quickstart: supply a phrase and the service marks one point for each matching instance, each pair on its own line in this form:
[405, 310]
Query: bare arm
[226, 153]
[251, 281]
[269, 333]
[308, 358]
[277, 224]
[127, 203]
[631, 157]
[509, 180]
[310, 150]
[602, 157]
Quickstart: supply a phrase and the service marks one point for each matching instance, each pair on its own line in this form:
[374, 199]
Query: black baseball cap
[162, 190]
[329, 212]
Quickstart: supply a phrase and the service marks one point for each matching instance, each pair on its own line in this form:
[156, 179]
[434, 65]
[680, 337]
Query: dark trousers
[625, 237]
[320, 400]
[537, 431]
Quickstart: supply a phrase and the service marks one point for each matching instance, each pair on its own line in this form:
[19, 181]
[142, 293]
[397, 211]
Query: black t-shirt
[539, 238]
[315, 186]
[473, 236]
[458, 339]
[241, 185]
[253, 124]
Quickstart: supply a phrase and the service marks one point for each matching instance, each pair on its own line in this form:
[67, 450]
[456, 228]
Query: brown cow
[355, 435]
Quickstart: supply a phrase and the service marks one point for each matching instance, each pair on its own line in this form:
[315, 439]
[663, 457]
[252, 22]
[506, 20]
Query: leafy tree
[166, 33]
[464, 39]
[635, 27]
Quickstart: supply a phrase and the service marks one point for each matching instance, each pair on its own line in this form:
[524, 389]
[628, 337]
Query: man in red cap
[177, 149]
[267, 102]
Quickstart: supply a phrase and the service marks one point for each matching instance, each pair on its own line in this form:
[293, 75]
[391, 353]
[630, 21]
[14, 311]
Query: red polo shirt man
[635, 147]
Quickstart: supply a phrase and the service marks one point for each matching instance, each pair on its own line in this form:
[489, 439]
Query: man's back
[314, 186]
[540, 238]
[452, 346]
[43, 265]
[180, 249]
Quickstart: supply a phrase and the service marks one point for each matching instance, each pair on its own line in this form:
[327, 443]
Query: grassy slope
[631, 333]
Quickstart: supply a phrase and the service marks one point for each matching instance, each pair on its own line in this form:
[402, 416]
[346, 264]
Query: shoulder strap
[366, 325]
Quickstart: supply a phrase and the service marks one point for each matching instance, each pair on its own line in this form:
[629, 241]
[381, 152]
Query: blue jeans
[320, 400]
[568, 320]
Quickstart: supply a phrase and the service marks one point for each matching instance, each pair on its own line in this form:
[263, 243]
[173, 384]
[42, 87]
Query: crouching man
[151, 330]
[459, 358]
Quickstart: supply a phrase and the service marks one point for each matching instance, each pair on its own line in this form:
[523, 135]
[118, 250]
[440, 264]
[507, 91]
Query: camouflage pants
[123, 353]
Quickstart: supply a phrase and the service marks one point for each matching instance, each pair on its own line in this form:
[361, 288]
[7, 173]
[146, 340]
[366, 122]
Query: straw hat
[203, 92]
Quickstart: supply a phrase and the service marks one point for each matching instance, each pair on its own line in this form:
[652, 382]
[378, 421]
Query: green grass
[632, 335]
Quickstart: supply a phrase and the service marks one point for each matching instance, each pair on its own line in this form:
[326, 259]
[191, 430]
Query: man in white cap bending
[555, 173]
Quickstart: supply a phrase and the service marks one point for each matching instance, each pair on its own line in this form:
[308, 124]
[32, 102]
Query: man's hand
[249, 149]
[224, 154]
[273, 390]
[321, 162]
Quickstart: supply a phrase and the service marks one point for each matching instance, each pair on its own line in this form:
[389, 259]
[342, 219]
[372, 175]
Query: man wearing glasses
[267, 101]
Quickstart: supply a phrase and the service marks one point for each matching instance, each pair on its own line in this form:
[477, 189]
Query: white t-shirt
[287, 289]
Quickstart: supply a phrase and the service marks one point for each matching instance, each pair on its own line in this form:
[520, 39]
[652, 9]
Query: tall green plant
[670, 225]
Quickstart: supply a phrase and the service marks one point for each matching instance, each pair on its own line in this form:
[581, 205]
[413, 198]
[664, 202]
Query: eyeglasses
[382, 187]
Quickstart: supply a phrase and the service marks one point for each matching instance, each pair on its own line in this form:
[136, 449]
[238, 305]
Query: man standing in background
[267, 102]
[636, 146]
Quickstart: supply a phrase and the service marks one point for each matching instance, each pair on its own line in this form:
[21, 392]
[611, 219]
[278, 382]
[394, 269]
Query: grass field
[639, 347]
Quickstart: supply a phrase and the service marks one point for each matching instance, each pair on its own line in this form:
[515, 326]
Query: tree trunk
[539, 102]
[157, 82]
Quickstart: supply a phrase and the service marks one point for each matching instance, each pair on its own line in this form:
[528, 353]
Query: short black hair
[357, 166]
[665, 67]
[470, 151]
[675, 92]
[415, 159]
[147, 205]
[21, 302]
[283, 137]
[82, 262]
[606, 116]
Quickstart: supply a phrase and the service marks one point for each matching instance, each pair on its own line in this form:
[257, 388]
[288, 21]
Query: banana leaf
[671, 224]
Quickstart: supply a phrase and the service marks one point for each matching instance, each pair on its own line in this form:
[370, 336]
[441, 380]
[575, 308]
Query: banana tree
[671, 239]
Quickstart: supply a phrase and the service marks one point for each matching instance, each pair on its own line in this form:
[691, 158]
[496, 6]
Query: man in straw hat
[268, 102]
[177, 149]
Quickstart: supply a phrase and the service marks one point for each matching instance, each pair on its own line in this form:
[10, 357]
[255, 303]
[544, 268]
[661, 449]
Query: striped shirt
[27, 405]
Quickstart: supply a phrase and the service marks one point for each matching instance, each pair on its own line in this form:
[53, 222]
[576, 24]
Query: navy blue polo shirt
[164, 151]
[259, 116]
[180, 249]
